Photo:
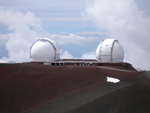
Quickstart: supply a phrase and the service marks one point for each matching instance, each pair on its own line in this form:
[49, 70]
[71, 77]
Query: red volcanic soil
[26, 86]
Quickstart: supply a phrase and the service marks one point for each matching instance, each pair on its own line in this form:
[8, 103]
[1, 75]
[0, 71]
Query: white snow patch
[114, 80]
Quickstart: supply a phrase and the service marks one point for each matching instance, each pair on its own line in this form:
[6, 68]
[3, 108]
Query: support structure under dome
[109, 50]
[44, 49]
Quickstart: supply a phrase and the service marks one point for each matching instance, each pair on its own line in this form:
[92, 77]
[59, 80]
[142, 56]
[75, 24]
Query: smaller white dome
[109, 50]
[44, 49]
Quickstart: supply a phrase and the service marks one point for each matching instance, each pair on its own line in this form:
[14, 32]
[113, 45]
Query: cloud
[22, 27]
[3, 39]
[89, 55]
[66, 55]
[62, 19]
[125, 22]
[81, 39]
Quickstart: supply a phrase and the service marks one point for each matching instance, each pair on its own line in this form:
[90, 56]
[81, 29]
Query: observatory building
[44, 49]
[47, 51]
[109, 50]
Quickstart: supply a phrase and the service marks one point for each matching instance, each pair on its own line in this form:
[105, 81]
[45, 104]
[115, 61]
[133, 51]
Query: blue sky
[78, 26]
[56, 15]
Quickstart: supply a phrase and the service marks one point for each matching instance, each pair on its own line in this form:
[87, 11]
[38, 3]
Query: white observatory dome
[44, 49]
[109, 50]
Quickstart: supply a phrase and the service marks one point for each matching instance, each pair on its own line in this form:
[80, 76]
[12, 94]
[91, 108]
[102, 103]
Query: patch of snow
[114, 80]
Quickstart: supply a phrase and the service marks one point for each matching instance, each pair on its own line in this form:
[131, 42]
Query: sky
[78, 26]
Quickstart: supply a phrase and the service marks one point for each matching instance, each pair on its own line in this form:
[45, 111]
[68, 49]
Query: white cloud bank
[74, 39]
[22, 29]
[127, 23]
[66, 55]
[89, 55]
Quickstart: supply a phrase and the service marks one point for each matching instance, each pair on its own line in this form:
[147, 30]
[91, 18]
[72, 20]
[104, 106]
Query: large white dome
[44, 49]
[109, 50]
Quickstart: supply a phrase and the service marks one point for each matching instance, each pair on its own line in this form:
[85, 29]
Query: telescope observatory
[110, 50]
[44, 49]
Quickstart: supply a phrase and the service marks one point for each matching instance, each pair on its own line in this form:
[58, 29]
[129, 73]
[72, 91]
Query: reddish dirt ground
[26, 86]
